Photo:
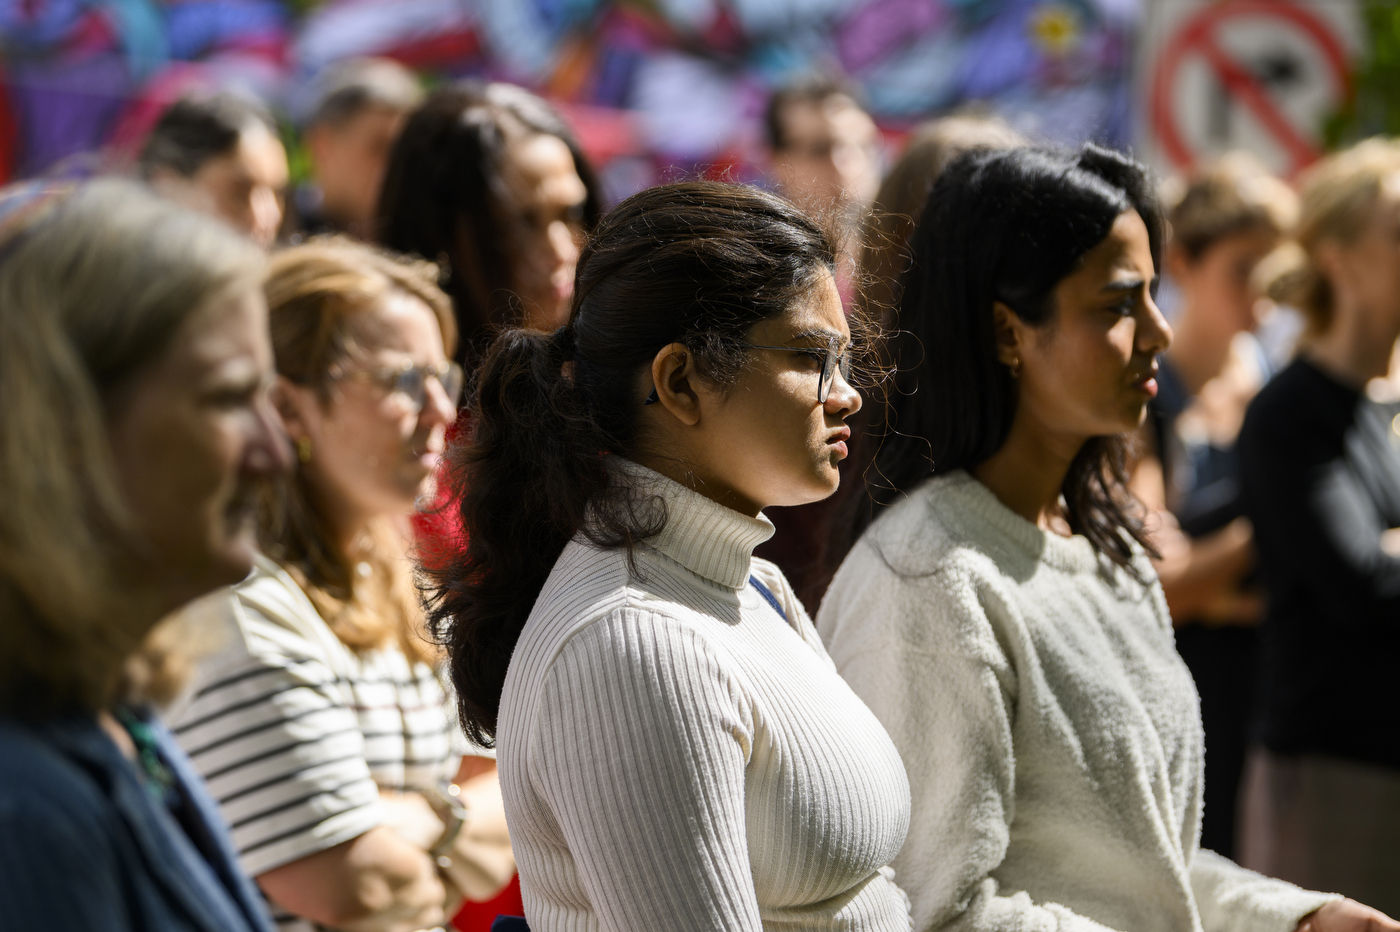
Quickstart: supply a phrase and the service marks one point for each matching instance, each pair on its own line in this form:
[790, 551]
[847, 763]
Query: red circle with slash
[1199, 38]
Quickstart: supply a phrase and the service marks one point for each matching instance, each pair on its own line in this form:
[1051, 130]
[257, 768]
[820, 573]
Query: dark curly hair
[697, 263]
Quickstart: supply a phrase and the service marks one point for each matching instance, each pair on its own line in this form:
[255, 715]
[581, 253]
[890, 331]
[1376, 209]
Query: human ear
[1006, 327]
[1330, 260]
[291, 401]
[673, 373]
[1178, 263]
[318, 143]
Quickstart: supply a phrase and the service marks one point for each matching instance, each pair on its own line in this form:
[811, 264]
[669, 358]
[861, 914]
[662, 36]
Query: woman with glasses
[1001, 615]
[677, 751]
[321, 727]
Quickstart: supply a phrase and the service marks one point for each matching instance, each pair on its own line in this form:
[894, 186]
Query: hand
[1347, 916]
[411, 817]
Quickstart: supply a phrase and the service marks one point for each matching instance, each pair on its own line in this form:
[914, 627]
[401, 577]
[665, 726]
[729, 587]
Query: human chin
[228, 556]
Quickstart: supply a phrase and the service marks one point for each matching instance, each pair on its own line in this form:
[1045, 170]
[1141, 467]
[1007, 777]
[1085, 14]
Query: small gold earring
[1015, 368]
[304, 449]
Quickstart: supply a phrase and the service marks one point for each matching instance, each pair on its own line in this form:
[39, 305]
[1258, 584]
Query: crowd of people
[868, 553]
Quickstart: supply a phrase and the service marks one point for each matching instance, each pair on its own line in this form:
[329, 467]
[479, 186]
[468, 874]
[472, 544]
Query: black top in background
[1321, 477]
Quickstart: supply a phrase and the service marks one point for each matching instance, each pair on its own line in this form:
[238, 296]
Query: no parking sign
[1259, 75]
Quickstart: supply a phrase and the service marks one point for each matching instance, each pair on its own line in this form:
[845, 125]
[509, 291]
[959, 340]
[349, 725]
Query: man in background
[219, 154]
[825, 149]
[356, 112]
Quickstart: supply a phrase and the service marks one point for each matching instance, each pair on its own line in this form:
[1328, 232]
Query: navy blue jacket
[83, 847]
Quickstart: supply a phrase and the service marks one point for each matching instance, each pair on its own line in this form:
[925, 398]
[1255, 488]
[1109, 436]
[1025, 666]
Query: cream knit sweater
[1051, 732]
[675, 755]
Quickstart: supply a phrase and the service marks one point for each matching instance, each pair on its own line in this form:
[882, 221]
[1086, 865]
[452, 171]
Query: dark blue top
[85, 847]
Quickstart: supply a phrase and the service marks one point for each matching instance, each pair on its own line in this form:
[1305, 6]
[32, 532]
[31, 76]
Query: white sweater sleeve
[948, 702]
[639, 751]
[1233, 899]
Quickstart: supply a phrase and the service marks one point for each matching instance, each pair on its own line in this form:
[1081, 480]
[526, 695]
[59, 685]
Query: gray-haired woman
[134, 371]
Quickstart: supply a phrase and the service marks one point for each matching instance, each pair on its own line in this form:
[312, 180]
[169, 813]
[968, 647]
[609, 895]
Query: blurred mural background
[655, 87]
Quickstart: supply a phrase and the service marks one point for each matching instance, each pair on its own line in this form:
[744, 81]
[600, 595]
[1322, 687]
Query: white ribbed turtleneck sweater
[676, 755]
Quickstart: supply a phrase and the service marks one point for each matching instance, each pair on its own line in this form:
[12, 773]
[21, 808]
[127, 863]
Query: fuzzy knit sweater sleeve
[1049, 729]
[642, 742]
[958, 724]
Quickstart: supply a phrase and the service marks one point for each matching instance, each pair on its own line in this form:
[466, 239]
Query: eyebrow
[1132, 284]
[818, 333]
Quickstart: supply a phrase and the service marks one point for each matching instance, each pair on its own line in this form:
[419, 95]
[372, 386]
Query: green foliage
[1375, 107]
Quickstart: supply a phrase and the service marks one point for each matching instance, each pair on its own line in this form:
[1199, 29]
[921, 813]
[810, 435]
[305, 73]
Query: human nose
[267, 215]
[438, 409]
[563, 243]
[269, 449]
[1154, 333]
[843, 400]
[851, 163]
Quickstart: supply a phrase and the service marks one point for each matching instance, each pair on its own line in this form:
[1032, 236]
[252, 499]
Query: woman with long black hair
[1001, 615]
[487, 181]
[676, 750]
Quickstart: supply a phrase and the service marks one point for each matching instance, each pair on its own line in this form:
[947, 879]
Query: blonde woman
[134, 376]
[1322, 486]
[322, 728]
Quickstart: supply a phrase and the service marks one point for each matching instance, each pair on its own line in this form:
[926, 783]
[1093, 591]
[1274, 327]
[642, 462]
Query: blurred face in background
[349, 159]
[369, 449]
[246, 187]
[1216, 286]
[830, 157]
[1365, 272]
[192, 436]
[549, 198]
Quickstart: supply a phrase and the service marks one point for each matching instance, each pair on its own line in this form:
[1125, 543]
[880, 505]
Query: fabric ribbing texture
[295, 734]
[674, 755]
[1051, 731]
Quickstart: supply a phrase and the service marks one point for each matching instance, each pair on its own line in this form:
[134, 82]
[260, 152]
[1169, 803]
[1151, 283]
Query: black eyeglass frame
[831, 358]
[410, 380]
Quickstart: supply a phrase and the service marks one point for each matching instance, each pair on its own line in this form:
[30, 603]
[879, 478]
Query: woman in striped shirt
[321, 726]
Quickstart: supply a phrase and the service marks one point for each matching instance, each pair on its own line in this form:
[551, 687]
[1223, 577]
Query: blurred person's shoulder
[59, 769]
[1297, 405]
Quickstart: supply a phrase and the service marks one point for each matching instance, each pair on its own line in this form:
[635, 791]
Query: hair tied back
[561, 342]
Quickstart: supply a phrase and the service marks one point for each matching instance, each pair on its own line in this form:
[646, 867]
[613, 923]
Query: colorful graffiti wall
[651, 87]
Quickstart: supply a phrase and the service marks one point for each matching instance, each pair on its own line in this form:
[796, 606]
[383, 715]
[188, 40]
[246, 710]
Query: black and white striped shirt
[296, 734]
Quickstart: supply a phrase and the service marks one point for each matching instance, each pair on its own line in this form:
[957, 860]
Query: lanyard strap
[769, 596]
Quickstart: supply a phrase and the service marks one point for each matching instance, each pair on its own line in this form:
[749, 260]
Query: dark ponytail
[1004, 225]
[698, 263]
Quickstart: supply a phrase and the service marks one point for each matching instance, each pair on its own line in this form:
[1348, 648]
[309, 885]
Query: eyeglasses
[411, 381]
[832, 361]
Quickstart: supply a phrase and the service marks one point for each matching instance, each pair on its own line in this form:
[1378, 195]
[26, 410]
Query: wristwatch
[454, 813]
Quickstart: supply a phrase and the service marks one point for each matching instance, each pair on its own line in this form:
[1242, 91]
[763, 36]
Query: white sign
[1257, 75]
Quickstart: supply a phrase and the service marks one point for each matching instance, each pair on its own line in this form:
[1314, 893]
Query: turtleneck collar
[705, 537]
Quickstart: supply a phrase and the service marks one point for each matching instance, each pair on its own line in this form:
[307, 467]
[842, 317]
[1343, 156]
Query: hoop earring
[304, 449]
